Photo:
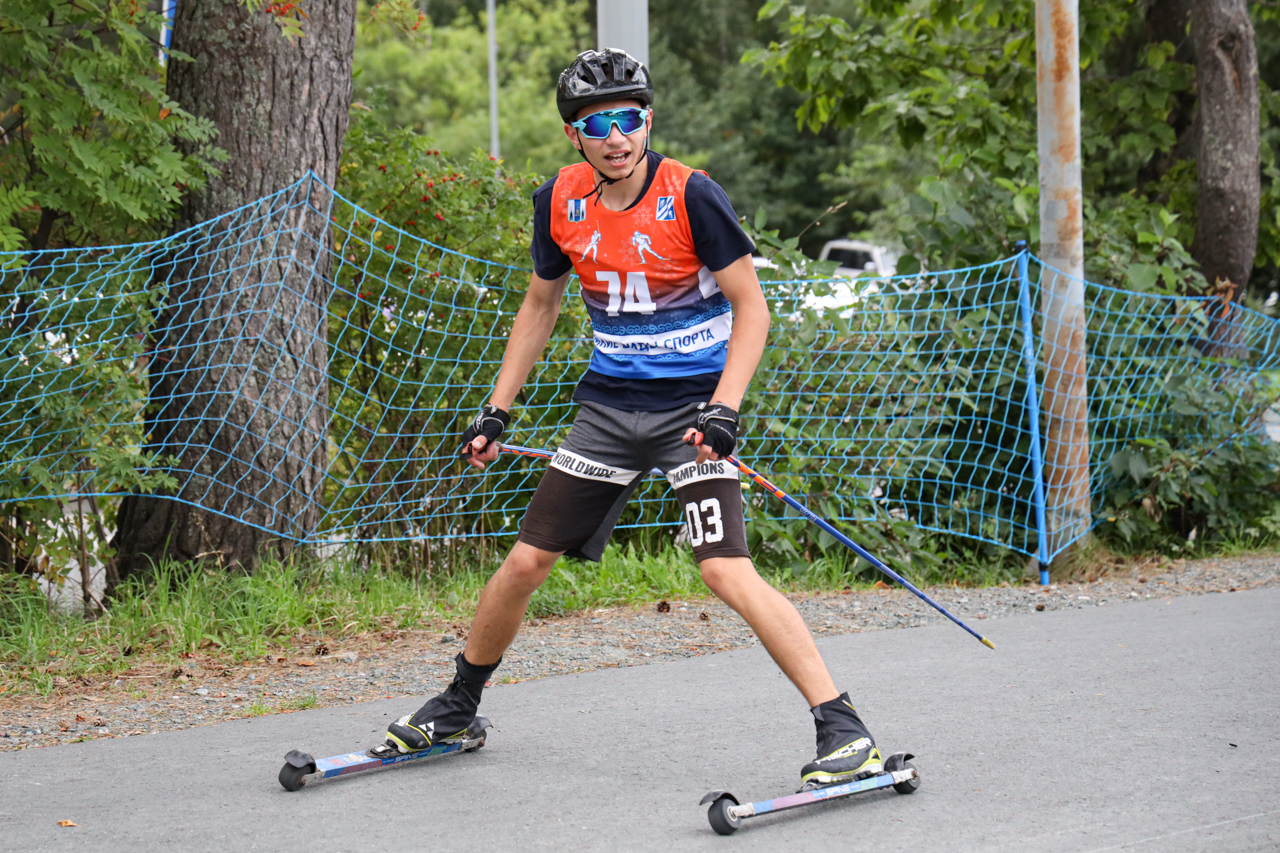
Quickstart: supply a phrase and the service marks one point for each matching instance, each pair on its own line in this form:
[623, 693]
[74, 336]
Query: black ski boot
[845, 748]
[444, 719]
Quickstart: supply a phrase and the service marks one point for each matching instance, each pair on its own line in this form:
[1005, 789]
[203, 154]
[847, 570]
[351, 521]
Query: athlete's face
[618, 154]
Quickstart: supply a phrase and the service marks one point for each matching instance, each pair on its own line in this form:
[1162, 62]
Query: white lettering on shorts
[704, 521]
[692, 472]
[580, 466]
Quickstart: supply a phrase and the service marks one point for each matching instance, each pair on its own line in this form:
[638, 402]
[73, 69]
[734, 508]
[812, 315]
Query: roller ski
[848, 762]
[301, 769]
[448, 723]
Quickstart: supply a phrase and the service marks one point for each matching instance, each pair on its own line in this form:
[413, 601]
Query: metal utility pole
[624, 24]
[168, 8]
[495, 150]
[1066, 401]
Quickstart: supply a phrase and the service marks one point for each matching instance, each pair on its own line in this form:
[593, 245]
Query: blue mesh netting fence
[908, 397]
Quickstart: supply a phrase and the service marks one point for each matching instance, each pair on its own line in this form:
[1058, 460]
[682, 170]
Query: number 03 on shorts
[705, 524]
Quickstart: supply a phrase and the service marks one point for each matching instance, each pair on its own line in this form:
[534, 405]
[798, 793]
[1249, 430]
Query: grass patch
[178, 610]
[234, 617]
[302, 703]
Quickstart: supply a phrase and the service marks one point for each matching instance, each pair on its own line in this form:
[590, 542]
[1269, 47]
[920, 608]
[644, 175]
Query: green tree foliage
[94, 152]
[434, 80]
[717, 114]
[957, 83]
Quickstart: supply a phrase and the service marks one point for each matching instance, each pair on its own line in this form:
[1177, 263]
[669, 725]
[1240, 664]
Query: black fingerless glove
[719, 427]
[490, 423]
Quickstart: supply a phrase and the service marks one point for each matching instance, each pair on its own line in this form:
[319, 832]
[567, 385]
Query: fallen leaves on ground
[67, 823]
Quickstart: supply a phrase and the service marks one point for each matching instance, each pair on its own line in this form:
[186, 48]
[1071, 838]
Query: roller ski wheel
[296, 767]
[902, 761]
[300, 769]
[722, 820]
[726, 814]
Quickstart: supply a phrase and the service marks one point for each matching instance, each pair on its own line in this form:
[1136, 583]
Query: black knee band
[473, 673]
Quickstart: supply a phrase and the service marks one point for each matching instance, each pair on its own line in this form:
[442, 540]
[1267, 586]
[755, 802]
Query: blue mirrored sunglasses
[600, 125]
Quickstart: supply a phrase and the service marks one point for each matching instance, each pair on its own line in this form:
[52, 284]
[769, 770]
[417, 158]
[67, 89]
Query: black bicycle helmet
[597, 76]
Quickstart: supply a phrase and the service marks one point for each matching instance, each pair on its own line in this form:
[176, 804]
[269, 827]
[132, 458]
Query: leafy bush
[93, 153]
[1211, 477]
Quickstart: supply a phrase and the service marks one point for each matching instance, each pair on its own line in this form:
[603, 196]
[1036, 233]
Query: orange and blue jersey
[646, 273]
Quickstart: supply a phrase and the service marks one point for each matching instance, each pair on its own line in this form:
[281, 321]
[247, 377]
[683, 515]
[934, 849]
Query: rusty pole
[1065, 400]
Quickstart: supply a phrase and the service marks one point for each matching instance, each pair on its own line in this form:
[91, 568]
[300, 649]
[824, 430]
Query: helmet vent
[599, 76]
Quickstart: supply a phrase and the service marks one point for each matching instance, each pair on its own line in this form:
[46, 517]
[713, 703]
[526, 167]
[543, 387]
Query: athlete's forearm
[750, 330]
[530, 332]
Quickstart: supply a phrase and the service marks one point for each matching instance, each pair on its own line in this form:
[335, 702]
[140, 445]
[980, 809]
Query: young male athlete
[680, 323]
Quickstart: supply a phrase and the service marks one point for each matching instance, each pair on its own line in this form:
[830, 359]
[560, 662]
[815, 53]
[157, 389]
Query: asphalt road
[1144, 727]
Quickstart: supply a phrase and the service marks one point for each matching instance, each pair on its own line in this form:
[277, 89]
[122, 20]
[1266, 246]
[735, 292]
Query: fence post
[1033, 411]
[1064, 393]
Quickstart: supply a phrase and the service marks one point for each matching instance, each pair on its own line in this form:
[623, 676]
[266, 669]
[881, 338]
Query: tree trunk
[239, 375]
[1227, 158]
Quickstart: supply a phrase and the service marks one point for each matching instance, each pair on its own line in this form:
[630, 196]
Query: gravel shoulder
[418, 663]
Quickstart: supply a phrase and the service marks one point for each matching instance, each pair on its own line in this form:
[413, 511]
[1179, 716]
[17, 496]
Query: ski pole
[760, 480]
[849, 543]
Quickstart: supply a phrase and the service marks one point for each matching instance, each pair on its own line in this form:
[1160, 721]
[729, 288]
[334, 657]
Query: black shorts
[601, 463]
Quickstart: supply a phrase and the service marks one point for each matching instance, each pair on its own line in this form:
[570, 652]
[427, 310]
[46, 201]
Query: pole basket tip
[988, 643]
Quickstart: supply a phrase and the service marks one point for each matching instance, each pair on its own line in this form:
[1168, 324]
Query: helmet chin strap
[604, 181]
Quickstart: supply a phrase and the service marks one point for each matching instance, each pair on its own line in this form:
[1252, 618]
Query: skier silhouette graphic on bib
[592, 247]
[641, 241]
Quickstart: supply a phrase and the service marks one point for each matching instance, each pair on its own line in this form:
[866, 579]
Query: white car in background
[856, 257]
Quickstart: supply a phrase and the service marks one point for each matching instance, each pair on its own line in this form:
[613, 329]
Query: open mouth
[617, 160]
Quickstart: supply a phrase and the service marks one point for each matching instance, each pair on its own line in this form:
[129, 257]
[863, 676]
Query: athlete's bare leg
[504, 601]
[776, 622]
